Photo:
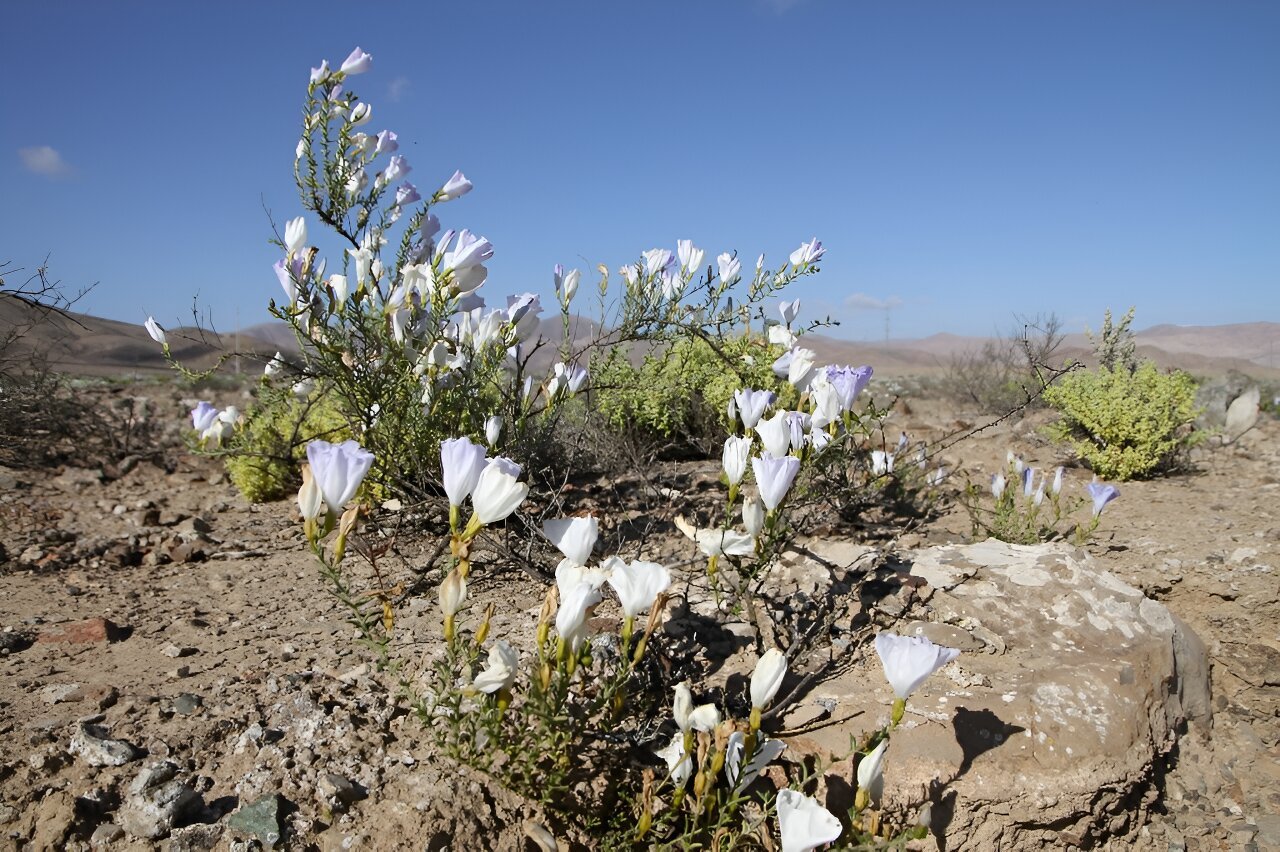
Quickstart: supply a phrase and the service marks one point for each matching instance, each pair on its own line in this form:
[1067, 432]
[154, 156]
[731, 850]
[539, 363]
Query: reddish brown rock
[88, 632]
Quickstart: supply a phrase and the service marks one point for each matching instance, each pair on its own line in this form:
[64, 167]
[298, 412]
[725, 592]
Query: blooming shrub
[415, 366]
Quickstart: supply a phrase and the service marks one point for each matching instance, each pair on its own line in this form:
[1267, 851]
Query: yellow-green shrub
[267, 454]
[1126, 424]
[682, 391]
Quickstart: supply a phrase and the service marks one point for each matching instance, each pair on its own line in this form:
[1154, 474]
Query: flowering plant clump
[1029, 506]
[432, 394]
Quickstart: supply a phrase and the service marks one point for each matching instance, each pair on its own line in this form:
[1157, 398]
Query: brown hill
[79, 343]
[84, 344]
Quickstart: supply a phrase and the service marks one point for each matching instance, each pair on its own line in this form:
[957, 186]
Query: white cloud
[43, 160]
[861, 301]
[397, 89]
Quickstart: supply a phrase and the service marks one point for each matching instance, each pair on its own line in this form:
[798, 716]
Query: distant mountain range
[83, 344]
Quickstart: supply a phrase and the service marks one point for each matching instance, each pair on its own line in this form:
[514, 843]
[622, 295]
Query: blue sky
[960, 161]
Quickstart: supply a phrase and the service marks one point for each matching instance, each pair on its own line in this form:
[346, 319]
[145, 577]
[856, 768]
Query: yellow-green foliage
[1126, 424]
[683, 391]
[268, 452]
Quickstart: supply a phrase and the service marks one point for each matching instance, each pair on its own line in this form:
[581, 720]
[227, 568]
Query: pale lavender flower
[789, 311]
[462, 463]
[357, 63]
[998, 484]
[808, 253]
[363, 144]
[871, 772]
[469, 250]
[803, 823]
[848, 383]
[430, 226]
[638, 584]
[203, 415]
[386, 142]
[752, 404]
[340, 289]
[574, 537]
[767, 751]
[295, 235]
[881, 463]
[498, 493]
[780, 335]
[798, 424]
[909, 660]
[397, 167]
[767, 677]
[737, 450]
[1057, 482]
[690, 256]
[679, 763]
[1102, 494]
[522, 312]
[319, 75]
[287, 275]
[775, 434]
[492, 429]
[455, 187]
[360, 114]
[1028, 481]
[825, 397]
[656, 261]
[500, 672]
[704, 717]
[407, 193]
[571, 618]
[310, 500]
[156, 331]
[338, 470]
[730, 268]
[566, 283]
[774, 476]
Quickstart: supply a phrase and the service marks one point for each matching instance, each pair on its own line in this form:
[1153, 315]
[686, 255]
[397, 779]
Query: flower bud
[310, 500]
[753, 516]
[453, 593]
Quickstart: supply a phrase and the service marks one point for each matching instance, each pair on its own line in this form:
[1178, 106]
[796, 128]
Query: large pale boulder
[1046, 731]
[1242, 414]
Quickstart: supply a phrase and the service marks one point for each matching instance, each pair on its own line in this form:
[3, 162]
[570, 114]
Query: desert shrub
[1124, 424]
[45, 417]
[1114, 344]
[266, 452]
[1009, 371]
[681, 392]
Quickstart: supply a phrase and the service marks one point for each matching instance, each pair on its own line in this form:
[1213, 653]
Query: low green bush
[267, 453]
[1126, 424]
[681, 391]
